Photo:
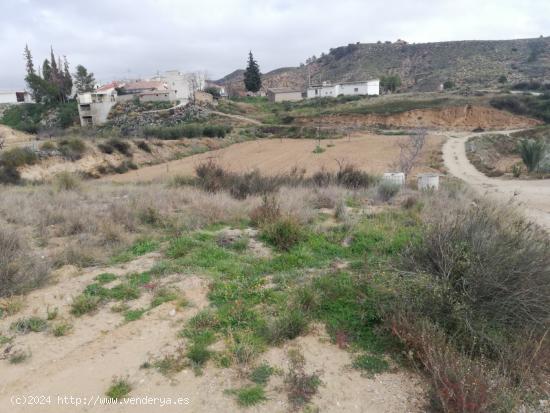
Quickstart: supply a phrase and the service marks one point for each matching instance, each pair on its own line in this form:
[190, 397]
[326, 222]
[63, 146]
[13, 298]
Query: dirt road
[372, 153]
[531, 196]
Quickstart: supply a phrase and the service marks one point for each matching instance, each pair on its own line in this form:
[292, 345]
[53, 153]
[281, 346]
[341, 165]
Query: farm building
[282, 94]
[368, 87]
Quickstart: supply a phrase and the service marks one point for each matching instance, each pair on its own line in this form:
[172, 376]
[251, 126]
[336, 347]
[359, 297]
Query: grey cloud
[113, 37]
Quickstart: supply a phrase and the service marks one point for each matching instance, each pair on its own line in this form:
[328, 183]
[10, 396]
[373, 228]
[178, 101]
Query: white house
[15, 97]
[181, 86]
[368, 87]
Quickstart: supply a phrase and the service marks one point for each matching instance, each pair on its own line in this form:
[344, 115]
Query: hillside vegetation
[422, 66]
[444, 281]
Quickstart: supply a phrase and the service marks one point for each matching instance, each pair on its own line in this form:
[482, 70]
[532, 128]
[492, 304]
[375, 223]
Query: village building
[173, 86]
[283, 94]
[94, 107]
[327, 89]
[12, 97]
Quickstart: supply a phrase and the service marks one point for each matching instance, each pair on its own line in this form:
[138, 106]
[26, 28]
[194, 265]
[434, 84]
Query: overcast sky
[137, 38]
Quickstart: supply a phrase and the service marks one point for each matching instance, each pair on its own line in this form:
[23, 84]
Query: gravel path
[532, 196]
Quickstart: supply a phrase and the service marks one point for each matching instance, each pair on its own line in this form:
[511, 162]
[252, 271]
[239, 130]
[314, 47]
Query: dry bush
[475, 304]
[19, 269]
[213, 178]
[91, 224]
[493, 260]
[66, 181]
[268, 211]
[460, 384]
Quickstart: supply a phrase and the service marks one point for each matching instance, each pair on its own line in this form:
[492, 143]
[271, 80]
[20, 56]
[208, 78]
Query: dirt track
[531, 196]
[373, 153]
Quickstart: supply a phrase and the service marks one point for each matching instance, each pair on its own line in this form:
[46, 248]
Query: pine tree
[83, 80]
[252, 75]
[67, 78]
[34, 82]
[28, 58]
[46, 70]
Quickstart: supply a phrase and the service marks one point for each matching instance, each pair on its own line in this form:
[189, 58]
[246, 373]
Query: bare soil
[102, 346]
[466, 117]
[372, 153]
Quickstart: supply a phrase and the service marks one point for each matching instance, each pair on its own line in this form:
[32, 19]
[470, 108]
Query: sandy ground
[13, 137]
[532, 196]
[102, 346]
[373, 153]
[464, 118]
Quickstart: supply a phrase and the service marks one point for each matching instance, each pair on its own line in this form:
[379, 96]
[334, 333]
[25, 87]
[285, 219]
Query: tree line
[53, 83]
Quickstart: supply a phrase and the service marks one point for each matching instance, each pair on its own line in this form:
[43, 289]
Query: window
[356, 90]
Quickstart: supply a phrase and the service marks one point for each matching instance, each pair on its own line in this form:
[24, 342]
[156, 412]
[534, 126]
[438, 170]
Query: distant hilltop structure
[367, 87]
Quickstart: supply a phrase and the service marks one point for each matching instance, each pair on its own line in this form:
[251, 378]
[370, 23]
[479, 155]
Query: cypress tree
[252, 75]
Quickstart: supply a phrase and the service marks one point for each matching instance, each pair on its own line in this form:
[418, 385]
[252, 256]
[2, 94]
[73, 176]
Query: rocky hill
[422, 66]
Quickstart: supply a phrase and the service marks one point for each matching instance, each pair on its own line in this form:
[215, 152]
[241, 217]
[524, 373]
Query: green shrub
[84, 304]
[532, 152]
[25, 117]
[353, 178]
[105, 148]
[387, 190]
[187, 131]
[144, 146]
[261, 374]
[250, 396]
[199, 354]
[67, 115]
[119, 388]
[120, 146]
[17, 157]
[72, 149]
[284, 233]
[26, 325]
[371, 364]
[105, 278]
[164, 295]
[318, 149]
[287, 326]
[133, 315]
[61, 329]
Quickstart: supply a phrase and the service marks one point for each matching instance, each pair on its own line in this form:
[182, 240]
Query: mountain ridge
[421, 66]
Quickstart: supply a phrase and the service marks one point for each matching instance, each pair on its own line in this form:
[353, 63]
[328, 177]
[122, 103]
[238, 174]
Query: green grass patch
[105, 278]
[133, 315]
[371, 364]
[84, 304]
[61, 329]
[139, 248]
[119, 388]
[261, 374]
[250, 396]
[164, 295]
